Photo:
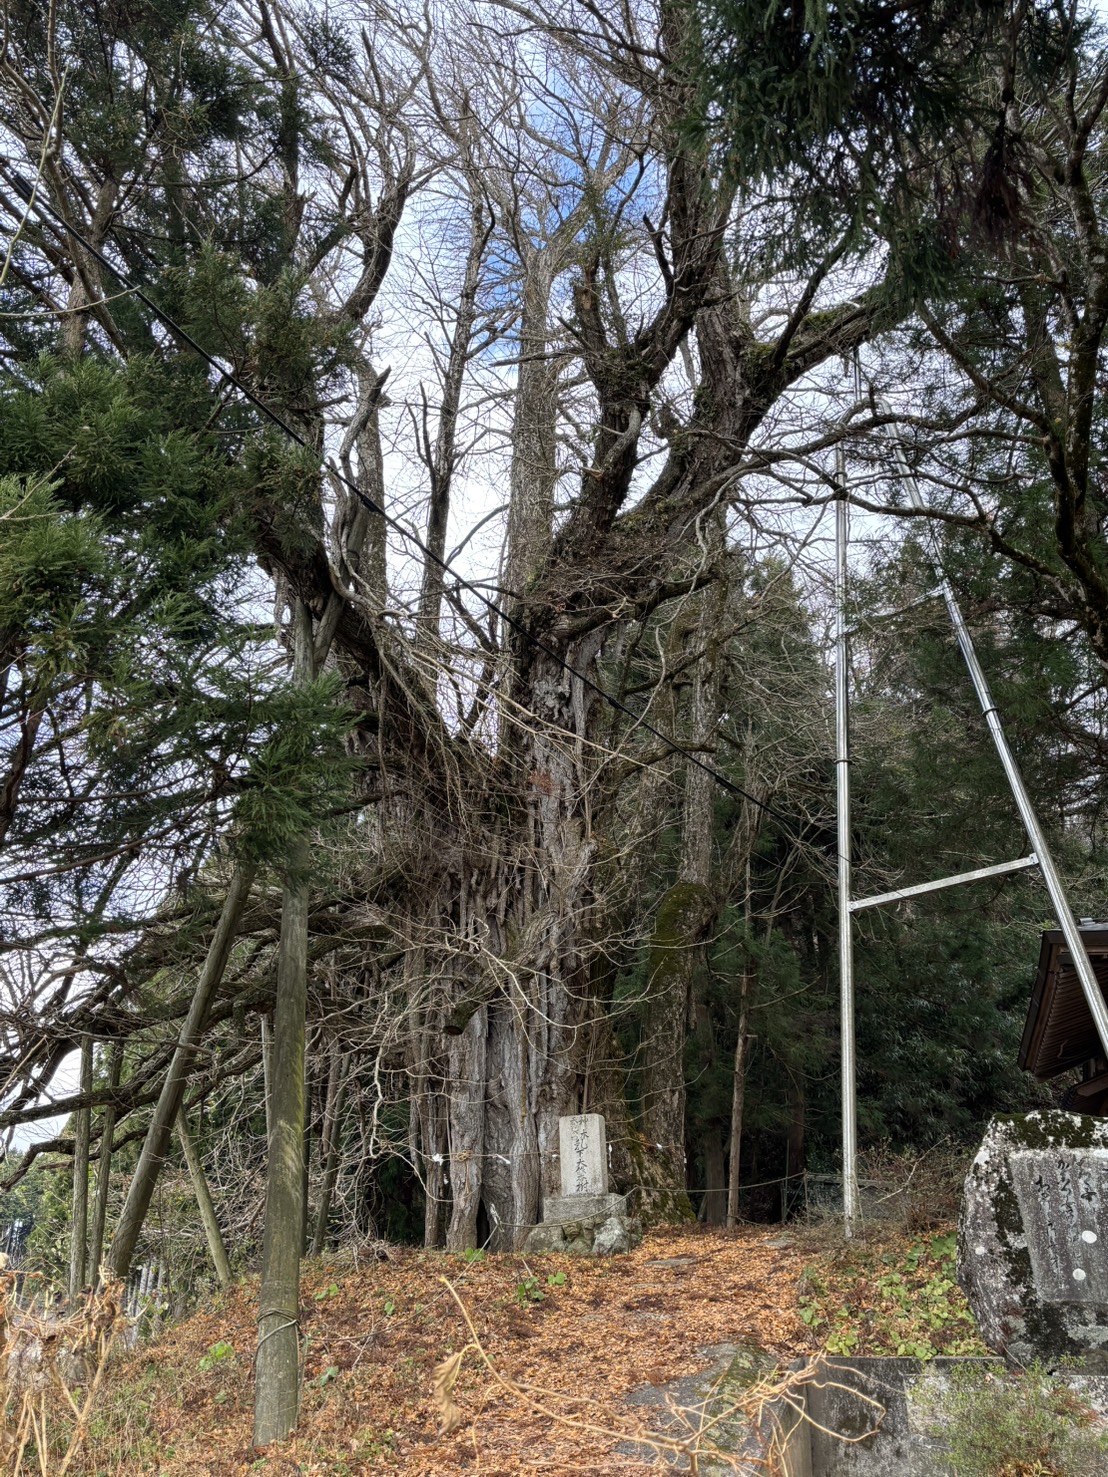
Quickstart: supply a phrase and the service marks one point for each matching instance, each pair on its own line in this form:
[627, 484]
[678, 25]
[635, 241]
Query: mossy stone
[1034, 1237]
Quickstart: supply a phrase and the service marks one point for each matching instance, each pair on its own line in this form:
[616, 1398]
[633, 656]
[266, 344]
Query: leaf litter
[432, 1364]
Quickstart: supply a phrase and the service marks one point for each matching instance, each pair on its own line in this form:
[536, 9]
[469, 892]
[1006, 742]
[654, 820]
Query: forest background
[418, 429]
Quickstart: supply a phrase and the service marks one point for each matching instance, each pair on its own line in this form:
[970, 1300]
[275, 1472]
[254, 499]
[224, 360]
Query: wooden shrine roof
[1059, 1033]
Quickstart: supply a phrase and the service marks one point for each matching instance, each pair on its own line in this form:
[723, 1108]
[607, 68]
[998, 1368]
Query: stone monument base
[558, 1208]
[587, 1225]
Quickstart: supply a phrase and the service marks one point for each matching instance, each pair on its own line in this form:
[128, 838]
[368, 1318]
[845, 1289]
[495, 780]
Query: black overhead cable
[33, 199]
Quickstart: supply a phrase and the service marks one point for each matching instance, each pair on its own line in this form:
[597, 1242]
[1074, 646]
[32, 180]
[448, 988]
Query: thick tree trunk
[686, 911]
[683, 914]
[466, 1068]
[513, 1121]
[156, 1145]
[427, 1124]
[429, 1117]
[78, 1228]
[306, 1154]
[434, 1188]
[713, 1208]
[267, 1070]
[538, 1025]
[534, 458]
[277, 1364]
[525, 913]
[204, 1203]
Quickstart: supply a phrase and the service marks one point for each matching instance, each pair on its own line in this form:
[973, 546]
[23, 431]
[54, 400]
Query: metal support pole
[898, 894]
[1070, 931]
[842, 803]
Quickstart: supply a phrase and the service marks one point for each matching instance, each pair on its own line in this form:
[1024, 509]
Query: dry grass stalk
[51, 1372]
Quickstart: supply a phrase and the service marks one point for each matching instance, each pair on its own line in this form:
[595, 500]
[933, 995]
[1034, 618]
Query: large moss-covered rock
[1033, 1240]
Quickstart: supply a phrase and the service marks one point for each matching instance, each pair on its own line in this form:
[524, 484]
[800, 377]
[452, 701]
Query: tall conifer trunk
[738, 1102]
[277, 1366]
[687, 910]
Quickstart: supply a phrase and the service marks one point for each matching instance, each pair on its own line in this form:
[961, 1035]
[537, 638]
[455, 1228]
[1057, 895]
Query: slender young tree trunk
[746, 834]
[442, 460]
[104, 1168]
[156, 1146]
[738, 1097]
[277, 1366]
[332, 1144]
[204, 1202]
[78, 1232]
[795, 1141]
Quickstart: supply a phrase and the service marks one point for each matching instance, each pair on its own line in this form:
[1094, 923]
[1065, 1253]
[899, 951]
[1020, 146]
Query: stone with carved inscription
[1033, 1240]
[584, 1154]
[585, 1217]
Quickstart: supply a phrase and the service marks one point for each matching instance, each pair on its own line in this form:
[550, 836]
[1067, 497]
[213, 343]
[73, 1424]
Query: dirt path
[584, 1333]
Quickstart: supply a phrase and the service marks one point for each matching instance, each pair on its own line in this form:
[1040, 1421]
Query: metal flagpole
[1040, 855]
[842, 804]
[1066, 922]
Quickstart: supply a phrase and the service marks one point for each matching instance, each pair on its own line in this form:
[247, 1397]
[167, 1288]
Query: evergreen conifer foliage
[871, 123]
[839, 79]
[463, 279]
[120, 618]
[1007, 347]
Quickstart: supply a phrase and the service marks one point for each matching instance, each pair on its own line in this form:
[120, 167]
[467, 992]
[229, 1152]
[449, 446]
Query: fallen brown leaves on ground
[585, 1332]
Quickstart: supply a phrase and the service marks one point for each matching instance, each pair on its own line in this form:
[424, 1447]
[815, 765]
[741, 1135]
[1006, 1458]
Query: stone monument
[1033, 1240]
[585, 1217]
[584, 1154]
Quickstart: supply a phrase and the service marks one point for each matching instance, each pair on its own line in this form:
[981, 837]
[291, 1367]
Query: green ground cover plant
[1027, 1424]
[890, 1296]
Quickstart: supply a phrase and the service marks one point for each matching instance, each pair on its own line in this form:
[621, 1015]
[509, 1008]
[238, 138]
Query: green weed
[219, 1353]
[1026, 1423]
[528, 1291]
[886, 1302]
